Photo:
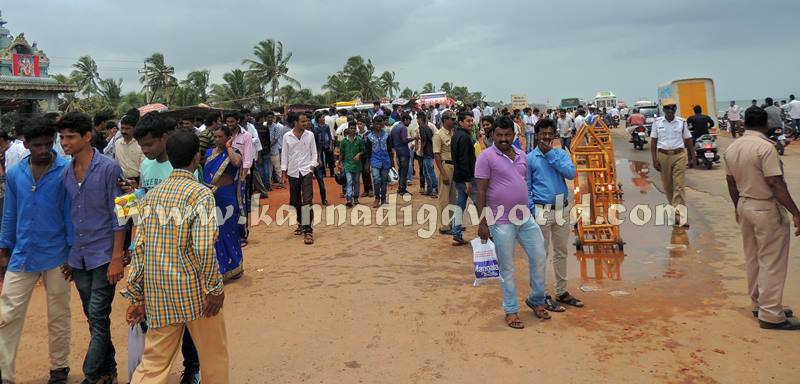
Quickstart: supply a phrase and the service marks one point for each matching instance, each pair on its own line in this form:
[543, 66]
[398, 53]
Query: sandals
[298, 231]
[539, 310]
[568, 299]
[513, 321]
[308, 239]
[459, 241]
[551, 306]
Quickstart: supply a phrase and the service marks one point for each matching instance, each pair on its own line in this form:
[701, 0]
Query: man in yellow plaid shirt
[174, 278]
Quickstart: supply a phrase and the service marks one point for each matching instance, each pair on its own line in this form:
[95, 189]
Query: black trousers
[319, 174]
[402, 164]
[330, 162]
[421, 172]
[301, 194]
[366, 177]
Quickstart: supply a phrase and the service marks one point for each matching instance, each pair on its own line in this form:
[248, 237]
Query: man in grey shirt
[774, 115]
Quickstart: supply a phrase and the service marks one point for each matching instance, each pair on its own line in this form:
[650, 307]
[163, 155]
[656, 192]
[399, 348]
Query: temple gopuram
[25, 85]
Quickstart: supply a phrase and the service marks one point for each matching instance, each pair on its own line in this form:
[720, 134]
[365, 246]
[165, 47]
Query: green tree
[85, 75]
[361, 78]
[409, 94]
[111, 91]
[270, 66]
[196, 86]
[389, 84]
[446, 87]
[158, 79]
[428, 88]
[337, 87]
[240, 90]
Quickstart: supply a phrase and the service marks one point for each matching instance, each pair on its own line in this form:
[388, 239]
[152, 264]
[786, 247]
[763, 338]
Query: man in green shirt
[351, 149]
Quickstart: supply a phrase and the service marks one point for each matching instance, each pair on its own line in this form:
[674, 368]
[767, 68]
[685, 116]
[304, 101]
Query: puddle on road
[650, 250]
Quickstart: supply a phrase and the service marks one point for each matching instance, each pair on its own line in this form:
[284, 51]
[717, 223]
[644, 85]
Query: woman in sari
[221, 172]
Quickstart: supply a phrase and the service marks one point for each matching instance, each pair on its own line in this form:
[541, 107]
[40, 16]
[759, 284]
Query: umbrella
[157, 107]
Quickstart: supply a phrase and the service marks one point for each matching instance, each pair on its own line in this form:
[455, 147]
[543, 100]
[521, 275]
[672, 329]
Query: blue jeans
[380, 180]
[96, 296]
[410, 169]
[353, 187]
[430, 177]
[796, 127]
[266, 169]
[529, 236]
[529, 141]
[461, 203]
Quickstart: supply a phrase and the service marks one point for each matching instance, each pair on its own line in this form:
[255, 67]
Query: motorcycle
[723, 124]
[615, 121]
[639, 137]
[780, 140]
[706, 151]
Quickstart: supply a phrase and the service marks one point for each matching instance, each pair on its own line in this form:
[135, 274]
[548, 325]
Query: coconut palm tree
[407, 93]
[428, 88]
[85, 75]
[388, 83]
[338, 87]
[446, 87]
[197, 83]
[158, 78]
[111, 91]
[361, 78]
[240, 89]
[270, 66]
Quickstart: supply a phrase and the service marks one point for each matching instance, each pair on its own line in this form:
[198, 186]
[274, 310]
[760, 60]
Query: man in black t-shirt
[699, 124]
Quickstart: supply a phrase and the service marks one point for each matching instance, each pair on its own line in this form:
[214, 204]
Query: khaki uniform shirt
[751, 159]
[441, 144]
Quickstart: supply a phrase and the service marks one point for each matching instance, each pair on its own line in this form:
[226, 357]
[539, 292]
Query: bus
[570, 104]
[605, 99]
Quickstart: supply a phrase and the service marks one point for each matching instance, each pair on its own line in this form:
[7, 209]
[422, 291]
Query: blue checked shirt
[174, 265]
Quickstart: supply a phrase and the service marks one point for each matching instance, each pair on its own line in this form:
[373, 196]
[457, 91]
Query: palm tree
[196, 83]
[85, 75]
[240, 89]
[428, 88]
[388, 83]
[361, 78]
[270, 66]
[446, 87]
[158, 77]
[111, 91]
[407, 93]
[338, 87]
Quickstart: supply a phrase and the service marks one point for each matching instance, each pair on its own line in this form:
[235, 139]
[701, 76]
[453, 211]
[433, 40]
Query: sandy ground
[380, 304]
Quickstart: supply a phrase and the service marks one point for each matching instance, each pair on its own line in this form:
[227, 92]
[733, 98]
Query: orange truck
[686, 93]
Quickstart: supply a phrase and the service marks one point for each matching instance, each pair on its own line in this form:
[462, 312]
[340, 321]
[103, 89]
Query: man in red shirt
[635, 120]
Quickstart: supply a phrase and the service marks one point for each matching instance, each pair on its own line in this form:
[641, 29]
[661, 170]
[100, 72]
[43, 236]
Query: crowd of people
[71, 170]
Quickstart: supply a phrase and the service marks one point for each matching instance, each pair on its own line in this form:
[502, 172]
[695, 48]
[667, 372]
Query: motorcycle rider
[774, 116]
[699, 124]
[635, 120]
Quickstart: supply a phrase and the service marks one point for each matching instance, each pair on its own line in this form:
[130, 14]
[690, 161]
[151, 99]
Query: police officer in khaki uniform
[671, 139]
[444, 163]
[758, 190]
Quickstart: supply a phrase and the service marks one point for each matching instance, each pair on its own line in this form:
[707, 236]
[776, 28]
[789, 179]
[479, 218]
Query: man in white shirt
[529, 118]
[565, 127]
[487, 110]
[476, 113]
[579, 119]
[298, 160]
[436, 116]
[671, 140]
[16, 151]
[793, 110]
[734, 115]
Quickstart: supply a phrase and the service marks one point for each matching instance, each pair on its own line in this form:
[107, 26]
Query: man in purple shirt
[501, 171]
[98, 239]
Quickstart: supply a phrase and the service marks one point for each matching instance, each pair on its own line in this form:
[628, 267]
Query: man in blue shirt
[98, 239]
[379, 152]
[400, 141]
[548, 198]
[34, 244]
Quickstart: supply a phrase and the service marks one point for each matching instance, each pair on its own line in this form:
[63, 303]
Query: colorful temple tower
[25, 85]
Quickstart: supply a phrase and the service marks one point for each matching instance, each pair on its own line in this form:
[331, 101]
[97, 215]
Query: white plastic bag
[135, 348]
[485, 260]
[393, 176]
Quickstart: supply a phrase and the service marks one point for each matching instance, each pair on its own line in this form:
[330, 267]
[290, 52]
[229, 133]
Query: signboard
[26, 65]
[519, 101]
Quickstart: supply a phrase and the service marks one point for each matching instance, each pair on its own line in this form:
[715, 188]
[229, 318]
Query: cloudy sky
[546, 49]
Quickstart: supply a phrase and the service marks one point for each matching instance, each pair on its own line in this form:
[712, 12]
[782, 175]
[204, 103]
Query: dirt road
[379, 304]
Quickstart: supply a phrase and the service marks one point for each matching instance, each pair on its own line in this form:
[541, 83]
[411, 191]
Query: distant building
[25, 85]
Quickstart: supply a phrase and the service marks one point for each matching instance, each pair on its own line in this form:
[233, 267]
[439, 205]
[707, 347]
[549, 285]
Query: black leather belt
[448, 162]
